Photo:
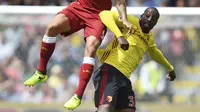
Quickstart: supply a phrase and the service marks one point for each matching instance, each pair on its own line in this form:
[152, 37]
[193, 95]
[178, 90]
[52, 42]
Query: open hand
[129, 26]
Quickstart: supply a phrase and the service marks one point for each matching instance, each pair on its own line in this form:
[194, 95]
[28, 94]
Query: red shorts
[80, 17]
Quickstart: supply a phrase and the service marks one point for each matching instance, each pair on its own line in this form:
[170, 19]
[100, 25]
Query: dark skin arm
[121, 7]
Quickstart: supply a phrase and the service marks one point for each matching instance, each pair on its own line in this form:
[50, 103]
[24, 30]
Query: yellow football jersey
[125, 61]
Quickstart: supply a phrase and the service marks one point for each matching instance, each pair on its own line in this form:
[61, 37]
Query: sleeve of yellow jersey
[157, 55]
[110, 20]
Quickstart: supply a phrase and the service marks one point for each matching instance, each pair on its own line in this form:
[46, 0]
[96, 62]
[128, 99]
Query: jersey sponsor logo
[137, 32]
[109, 98]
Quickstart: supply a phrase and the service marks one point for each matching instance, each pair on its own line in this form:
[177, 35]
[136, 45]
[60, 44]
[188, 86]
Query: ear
[141, 15]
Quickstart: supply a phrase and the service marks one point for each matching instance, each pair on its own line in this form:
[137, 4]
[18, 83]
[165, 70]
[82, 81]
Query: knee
[105, 108]
[51, 30]
[91, 48]
[90, 51]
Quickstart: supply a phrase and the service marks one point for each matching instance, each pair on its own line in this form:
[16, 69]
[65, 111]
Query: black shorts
[112, 87]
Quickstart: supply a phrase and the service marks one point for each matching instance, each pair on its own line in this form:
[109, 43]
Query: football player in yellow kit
[113, 89]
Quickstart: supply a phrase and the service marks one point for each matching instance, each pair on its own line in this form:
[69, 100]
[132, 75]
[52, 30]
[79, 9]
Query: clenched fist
[123, 43]
[171, 76]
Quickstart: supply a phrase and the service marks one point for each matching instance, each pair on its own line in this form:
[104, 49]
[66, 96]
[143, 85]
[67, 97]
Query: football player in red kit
[81, 14]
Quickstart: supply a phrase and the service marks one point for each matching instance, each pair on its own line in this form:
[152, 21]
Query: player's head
[149, 19]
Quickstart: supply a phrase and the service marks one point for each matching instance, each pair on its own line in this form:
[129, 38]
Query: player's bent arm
[121, 7]
[157, 55]
[107, 17]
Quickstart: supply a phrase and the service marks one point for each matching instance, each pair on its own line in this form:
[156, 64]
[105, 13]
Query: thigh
[75, 22]
[126, 99]
[59, 24]
[105, 87]
[127, 110]
[94, 27]
[105, 108]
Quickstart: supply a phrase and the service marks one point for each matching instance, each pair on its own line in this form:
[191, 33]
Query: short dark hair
[154, 11]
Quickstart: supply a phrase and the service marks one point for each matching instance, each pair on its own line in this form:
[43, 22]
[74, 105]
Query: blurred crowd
[163, 3]
[19, 57]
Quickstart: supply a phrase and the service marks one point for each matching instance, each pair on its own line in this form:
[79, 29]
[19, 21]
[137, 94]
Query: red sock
[45, 53]
[85, 74]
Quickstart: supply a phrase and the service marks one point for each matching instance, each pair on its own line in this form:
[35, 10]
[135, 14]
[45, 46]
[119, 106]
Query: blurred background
[177, 36]
[163, 3]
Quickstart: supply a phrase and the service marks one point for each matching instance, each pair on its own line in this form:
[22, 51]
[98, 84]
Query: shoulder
[150, 39]
[107, 12]
[133, 18]
[150, 36]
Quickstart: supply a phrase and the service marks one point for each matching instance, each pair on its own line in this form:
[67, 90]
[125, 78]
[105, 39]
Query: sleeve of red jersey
[110, 20]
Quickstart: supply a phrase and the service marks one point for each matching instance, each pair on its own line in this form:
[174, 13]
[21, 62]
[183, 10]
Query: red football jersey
[96, 5]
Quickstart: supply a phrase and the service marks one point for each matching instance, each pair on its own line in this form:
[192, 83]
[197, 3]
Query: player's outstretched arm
[157, 55]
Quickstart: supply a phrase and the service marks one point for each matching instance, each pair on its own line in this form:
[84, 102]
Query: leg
[93, 40]
[58, 25]
[86, 71]
[126, 100]
[126, 103]
[61, 23]
[106, 88]
[93, 36]
[127, 110]
[105, 108]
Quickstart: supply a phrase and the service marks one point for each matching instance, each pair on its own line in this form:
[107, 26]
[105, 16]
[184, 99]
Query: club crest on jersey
[109, 98]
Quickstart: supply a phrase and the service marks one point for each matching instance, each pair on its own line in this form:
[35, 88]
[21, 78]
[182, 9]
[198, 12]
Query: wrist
[124, 19]
[120, 36]
[171, 68]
